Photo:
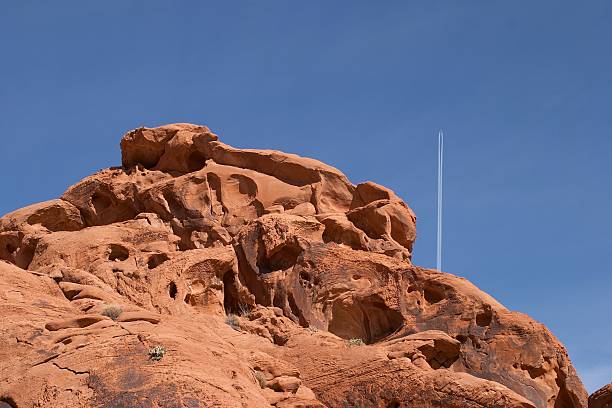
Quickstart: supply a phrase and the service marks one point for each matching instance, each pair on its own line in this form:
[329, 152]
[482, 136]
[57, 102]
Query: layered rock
[311, 273]
[601, 398]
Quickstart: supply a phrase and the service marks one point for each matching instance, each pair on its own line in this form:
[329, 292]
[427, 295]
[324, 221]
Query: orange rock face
[601, 398]
[199, 275]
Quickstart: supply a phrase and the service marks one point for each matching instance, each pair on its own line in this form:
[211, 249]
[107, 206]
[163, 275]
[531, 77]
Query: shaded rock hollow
[312, 273]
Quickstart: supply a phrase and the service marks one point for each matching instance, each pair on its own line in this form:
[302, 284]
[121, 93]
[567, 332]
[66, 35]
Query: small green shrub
[355, 342]
[157, 353]
[112, 311]
[233, 321]
[261, 379]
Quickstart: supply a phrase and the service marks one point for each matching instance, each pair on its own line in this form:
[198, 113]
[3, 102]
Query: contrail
[440, 168]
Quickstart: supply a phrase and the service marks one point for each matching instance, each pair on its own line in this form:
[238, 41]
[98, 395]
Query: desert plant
[156, 353]
[112, 311]
[233, 321]
[261, 379]
[355, 342]
[245, 311]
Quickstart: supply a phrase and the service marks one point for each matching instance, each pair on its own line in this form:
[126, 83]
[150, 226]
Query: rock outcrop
[601, 398]
[198, 274]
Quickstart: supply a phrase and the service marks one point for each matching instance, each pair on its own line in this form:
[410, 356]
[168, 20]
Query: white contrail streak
[440, 168]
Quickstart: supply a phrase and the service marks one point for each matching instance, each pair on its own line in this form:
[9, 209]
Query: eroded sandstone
[602, 398]
[267, 278]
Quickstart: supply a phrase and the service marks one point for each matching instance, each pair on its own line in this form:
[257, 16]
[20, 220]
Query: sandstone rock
[81, 321]
[240, 261]
[21, 230]
[368, 192]
[384, 219]
[305, 393]
[601, 398]
[108, 365]
[172, 143]
[54, 215]
[143, 316]
[296, 402]
[339, 229]
[272, 367]
[285, 384]
[437, 348]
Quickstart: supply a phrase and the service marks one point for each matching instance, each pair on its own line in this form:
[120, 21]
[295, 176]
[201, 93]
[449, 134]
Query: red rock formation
[601, 398]
[267, 278]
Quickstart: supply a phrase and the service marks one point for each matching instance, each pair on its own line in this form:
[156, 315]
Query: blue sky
[522, 89]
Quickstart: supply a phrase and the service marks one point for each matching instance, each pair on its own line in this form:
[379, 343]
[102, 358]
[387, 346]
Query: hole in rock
[284, 258]
[433, 294]
[172, 290]
[442, 354]
[118, 253]
[534, 372]
[369, 319]
[231, 299]
[24, 256]
[393, 404]
[280, 340]
[333, 233]
[435, 364]
[305, 279]
[156, 259]
[148, 161]
[484, 318]
[196, 161]
[461, 338]
[246, 185]
[100, 202]
[7, 402]
[10, 249]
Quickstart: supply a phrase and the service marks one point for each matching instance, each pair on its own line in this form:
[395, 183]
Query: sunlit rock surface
[268, 279]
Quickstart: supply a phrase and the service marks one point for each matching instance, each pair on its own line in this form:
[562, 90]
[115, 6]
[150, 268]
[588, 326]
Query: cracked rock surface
[199, 275]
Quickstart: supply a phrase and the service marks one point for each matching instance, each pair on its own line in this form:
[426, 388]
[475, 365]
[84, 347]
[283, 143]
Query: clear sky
[523, 90]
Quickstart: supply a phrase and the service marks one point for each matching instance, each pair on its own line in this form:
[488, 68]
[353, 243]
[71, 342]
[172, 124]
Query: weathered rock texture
[601, 398]
[269, 279]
